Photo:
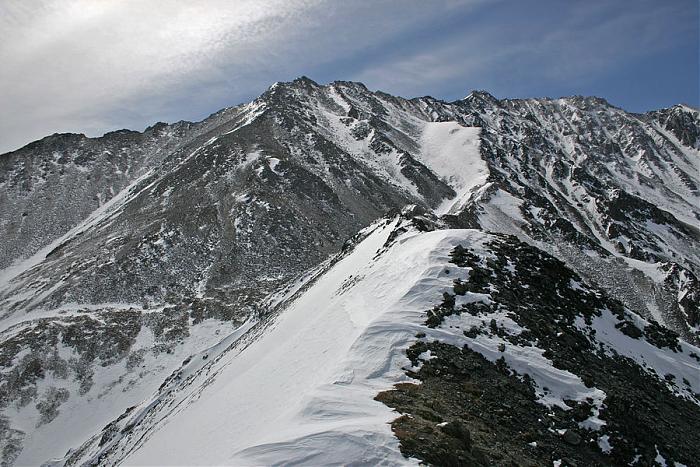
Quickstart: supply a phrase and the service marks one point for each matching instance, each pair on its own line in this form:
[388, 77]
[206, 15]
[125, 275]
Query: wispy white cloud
[69, 65]
[95, 65]
[571, 46]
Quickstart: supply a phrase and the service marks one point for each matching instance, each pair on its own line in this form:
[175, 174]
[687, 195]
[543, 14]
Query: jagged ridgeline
[124, 256]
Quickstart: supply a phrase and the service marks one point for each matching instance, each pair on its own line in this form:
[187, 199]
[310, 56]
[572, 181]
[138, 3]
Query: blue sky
[92, 66]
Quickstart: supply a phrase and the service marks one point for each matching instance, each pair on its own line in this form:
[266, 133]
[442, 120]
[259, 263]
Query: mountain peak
[684, 108]
[57, 140]
[589, 101]
[480, 95]
[305, 81]
[135, 252]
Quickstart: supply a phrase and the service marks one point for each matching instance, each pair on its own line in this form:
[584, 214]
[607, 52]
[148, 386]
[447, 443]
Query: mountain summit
[257, 279]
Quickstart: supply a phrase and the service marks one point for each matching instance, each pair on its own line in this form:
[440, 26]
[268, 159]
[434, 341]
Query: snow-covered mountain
[232, 245]
[520, 362]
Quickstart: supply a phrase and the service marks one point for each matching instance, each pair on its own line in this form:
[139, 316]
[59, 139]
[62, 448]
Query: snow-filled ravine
[452, 151]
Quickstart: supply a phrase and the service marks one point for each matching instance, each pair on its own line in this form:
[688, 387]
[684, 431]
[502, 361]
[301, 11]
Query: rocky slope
[613, 194]
[549, 370]
[521, 363]
[129, 253]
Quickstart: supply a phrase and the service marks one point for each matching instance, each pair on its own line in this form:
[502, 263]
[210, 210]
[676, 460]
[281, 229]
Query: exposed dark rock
[497, 408]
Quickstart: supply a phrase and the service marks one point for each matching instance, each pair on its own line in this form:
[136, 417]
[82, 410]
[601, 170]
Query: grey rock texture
[125, 254]
[643, 414]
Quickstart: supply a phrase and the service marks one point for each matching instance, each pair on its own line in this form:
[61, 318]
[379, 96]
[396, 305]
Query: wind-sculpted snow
[299, 387]
[197, 227]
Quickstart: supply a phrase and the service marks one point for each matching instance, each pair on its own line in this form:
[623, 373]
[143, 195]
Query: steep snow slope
[452, 151]
[115, 387]
[300, 388]
[316, 370]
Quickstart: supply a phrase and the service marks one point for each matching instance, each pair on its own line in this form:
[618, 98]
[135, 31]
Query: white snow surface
[300, 389]
[452, 151]
[303, 392]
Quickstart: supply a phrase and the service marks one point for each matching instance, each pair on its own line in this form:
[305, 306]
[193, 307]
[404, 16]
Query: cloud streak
[515, 58]
[96, 65]
[85, 64]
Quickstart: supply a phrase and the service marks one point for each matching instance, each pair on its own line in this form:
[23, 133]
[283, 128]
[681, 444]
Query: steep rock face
[188, 231]
[682, 121]
[50, 185]
[612, 193]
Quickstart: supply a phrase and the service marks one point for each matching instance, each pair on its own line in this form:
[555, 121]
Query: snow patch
[452, 151]
[317, 367]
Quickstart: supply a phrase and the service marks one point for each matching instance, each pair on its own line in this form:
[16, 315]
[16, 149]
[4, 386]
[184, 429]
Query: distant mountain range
[248, 289]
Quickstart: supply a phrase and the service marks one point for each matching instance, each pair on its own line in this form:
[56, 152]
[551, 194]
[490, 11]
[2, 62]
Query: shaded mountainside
[51, 185]
[195, 245]
[129, 253]
[613, 194]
